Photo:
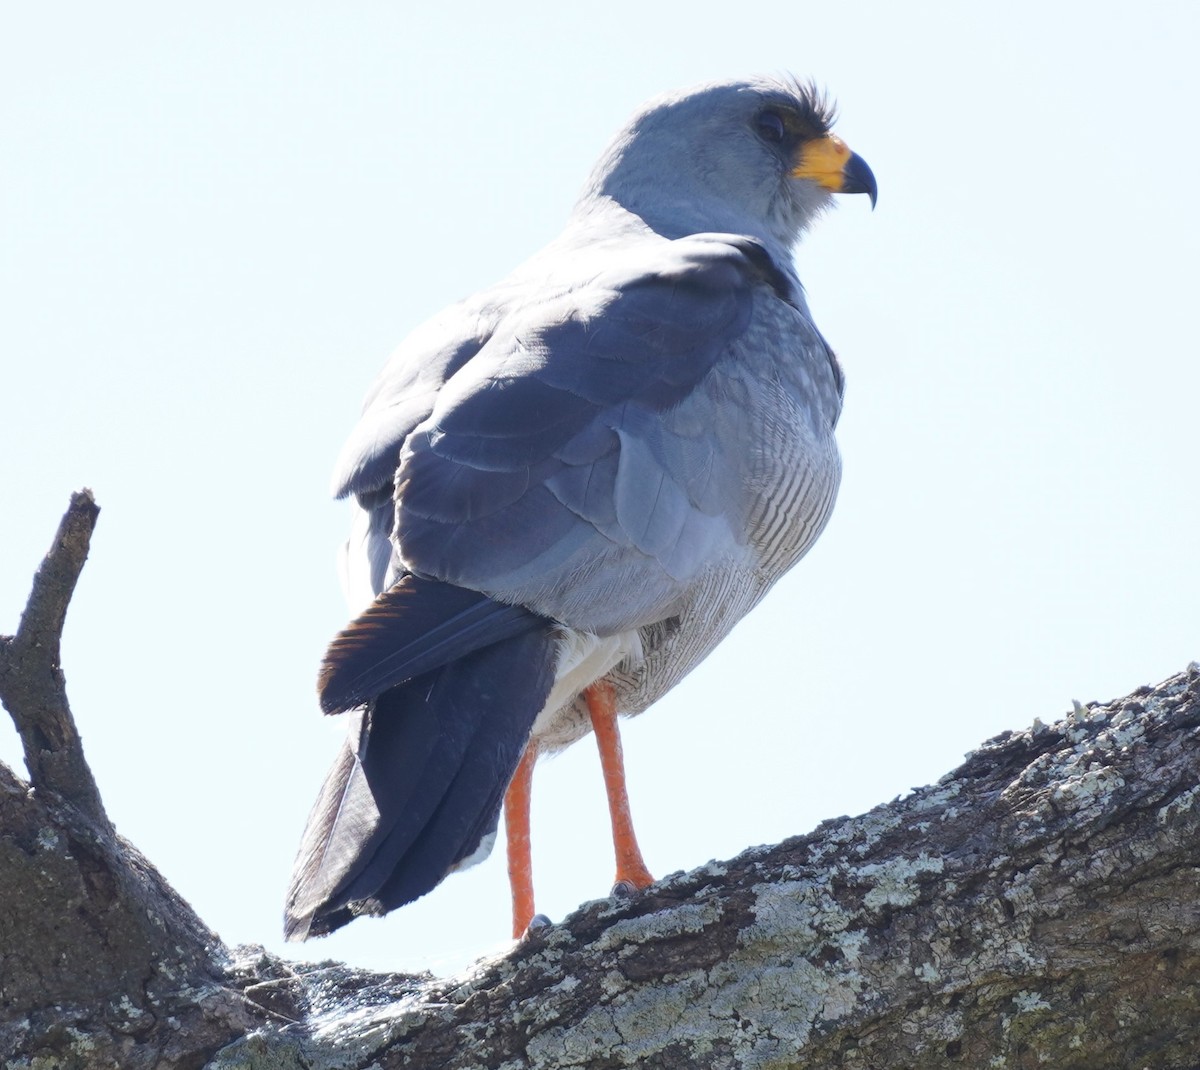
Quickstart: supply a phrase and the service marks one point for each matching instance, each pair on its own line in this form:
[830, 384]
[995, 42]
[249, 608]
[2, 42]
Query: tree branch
[1036, 907]
[32, 686]
[99, 957]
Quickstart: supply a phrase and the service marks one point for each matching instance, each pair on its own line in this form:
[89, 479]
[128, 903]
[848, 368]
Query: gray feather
[630, 438]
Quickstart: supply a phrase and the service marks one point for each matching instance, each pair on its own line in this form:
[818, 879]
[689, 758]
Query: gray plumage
[631, 438]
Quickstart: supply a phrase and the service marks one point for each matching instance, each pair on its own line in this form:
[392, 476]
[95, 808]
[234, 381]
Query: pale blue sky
[218, 220]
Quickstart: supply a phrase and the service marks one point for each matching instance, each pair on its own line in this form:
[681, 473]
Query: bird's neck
[603, 214]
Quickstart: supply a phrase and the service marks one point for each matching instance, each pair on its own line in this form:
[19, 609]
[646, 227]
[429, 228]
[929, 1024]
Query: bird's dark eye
[769, 125]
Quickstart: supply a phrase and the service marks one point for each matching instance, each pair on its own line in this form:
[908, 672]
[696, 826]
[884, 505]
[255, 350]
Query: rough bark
[1037, 906]
[101, 962]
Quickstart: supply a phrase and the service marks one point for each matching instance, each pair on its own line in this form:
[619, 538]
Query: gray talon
[623, 890]
[538, 921]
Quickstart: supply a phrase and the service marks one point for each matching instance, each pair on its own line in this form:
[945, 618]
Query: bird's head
[754, 157]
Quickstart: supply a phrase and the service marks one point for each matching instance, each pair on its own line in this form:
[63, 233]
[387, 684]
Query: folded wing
[519, 466]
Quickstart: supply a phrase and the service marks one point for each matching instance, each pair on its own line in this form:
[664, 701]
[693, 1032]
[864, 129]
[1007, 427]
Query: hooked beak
[829, 162]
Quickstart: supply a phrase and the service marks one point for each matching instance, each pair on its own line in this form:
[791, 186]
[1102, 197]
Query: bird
[569, 487]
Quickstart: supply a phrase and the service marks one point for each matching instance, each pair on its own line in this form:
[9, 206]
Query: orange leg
[602, 706]
[516, 827]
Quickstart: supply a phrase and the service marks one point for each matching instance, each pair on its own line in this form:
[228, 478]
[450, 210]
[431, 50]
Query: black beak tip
[857, 177]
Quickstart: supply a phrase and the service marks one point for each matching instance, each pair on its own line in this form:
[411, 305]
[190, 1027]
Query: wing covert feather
[571, 437]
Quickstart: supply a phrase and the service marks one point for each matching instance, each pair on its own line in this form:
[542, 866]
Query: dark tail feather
[415, 627]
[418, 785]
[322, 855]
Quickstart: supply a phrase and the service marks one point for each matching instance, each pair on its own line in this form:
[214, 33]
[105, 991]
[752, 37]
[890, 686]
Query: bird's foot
[627, 889]
[632, 874]
[537, 922]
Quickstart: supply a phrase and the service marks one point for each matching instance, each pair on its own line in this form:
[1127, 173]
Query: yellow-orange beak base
[829, 162]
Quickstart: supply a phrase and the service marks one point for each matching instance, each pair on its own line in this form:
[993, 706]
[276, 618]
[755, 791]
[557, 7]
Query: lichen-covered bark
[101, 963]
[1036, 907]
